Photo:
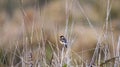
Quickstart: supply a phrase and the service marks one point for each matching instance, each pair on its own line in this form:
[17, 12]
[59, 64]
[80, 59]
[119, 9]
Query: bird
[63, 41]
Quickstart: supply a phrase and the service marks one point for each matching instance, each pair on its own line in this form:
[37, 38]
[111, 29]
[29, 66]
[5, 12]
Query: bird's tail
[66, 45]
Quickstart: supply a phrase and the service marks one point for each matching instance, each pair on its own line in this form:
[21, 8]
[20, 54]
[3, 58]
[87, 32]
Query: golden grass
[31, 37]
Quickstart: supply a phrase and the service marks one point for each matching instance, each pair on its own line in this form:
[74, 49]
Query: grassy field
[30, 33]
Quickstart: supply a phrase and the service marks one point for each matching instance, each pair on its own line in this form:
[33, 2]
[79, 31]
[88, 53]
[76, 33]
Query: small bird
[63, 40]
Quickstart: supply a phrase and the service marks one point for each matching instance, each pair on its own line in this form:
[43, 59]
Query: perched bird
[63, 40]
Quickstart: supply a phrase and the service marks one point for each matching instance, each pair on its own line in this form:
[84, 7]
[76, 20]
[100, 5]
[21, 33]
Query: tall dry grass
[31, 37]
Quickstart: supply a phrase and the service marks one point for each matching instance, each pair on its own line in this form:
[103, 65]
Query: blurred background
[28, 18]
